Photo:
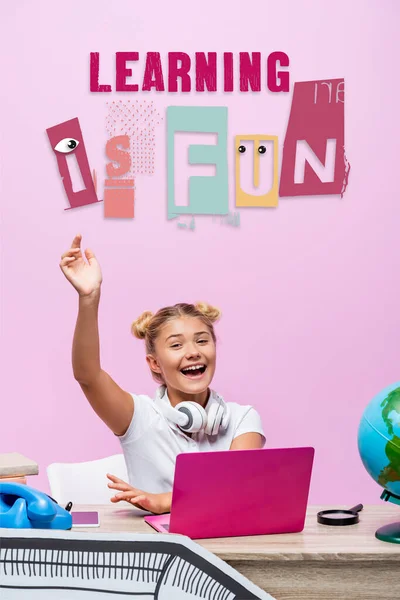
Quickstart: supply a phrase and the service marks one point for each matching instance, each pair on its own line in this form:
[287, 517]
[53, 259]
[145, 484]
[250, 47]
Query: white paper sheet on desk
[67, 565]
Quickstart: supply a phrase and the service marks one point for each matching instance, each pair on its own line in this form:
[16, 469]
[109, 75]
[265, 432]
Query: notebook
[15, 464]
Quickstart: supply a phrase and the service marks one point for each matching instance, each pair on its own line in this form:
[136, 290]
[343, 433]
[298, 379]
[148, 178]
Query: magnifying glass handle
[357, 508]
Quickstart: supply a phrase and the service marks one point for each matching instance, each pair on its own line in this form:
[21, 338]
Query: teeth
[193, 368]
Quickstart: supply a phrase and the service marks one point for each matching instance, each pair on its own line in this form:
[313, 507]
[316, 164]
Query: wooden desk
[320, 563]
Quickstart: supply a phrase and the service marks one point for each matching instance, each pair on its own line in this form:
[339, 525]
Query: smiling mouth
[194, 372]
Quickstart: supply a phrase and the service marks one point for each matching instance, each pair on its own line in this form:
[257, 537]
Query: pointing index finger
[114, 478]
[76, 242]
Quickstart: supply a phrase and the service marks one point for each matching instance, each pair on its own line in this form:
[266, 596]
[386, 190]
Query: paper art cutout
[118, 193]
[183, 74]
[94, 74]
[122, 71]
[277, 81]
[94, 175]
[69, 565]
[316, 116]
[191, 225]
[206, 71]
[207, 195]
[131, 125]
[260, 154]
[66, 138]
[119, 203]
[178, 66]
[232, 219]
[153, 75]
[250, 71]
[138, 120]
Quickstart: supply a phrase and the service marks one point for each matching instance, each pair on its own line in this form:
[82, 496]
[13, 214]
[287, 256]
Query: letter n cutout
[316, 116]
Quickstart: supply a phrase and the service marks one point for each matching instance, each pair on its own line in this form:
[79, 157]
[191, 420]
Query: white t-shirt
[152, 443]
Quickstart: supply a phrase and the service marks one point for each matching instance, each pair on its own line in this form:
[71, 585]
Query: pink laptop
[238, 492]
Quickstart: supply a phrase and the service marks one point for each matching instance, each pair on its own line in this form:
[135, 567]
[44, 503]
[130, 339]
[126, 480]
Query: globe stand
[389, 533]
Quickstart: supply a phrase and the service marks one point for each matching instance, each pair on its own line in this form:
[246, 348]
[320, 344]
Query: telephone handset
[22, 506]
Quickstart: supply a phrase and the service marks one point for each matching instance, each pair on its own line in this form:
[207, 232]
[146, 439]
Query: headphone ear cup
[196, 414]
[214, 418]
[226, 417]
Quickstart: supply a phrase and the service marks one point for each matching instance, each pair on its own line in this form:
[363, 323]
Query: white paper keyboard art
[66, 565]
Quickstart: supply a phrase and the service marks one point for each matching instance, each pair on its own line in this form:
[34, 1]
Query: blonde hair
[148, 326]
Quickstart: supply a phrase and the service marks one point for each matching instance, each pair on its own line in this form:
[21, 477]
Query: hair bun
[139, 327]
[210, 312]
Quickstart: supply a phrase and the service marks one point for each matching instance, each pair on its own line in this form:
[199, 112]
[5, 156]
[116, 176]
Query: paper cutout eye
[262, 149]
[242, 149]
[66, 145]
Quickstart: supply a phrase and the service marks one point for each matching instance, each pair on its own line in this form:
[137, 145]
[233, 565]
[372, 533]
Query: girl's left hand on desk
[155, 503]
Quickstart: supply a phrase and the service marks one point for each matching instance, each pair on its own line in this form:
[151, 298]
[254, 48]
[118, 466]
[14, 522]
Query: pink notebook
[238, 492]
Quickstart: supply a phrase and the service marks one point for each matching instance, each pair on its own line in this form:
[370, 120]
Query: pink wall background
[309, 292]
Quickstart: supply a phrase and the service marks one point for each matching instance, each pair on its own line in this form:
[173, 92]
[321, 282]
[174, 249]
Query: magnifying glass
[340, 517]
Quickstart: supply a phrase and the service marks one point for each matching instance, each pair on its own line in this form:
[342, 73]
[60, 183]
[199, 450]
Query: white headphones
[191, 417]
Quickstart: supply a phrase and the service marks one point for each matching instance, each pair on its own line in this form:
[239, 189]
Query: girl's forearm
[86, 344]
[167, 502]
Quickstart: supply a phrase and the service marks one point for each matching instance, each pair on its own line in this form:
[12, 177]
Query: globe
[379, 448]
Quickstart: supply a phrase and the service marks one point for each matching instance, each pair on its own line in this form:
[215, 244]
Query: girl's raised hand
[84, 276]
[155, 503]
